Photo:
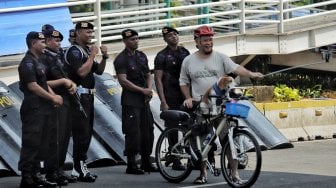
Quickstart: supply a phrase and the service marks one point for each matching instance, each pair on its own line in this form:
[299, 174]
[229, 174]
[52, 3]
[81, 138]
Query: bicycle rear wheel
[170, 151]
[248, 163]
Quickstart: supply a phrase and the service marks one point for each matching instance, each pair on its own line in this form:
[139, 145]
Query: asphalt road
[310, 164]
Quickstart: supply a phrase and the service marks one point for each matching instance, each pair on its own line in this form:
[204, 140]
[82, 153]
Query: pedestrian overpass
[245, 28]
[290, 33]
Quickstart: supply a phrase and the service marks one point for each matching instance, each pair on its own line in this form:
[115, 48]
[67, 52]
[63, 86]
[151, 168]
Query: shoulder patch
[29, 64]
[76, 53]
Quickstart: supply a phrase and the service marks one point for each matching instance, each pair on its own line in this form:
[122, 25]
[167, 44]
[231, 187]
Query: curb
[302, 120]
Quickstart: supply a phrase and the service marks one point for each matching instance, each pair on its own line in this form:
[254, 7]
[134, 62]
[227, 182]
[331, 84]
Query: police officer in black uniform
[37, 105]
[167, 67]
[133, 73]
[81, 59]
[57, 76]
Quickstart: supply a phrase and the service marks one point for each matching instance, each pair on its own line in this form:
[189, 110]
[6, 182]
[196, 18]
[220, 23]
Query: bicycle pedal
[217, 172]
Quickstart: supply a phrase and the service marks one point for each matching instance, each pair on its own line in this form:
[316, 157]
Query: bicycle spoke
[174, 163]
[244, 171]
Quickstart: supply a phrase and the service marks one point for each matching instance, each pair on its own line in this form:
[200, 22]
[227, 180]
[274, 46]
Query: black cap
[52, 33]
[72, 33]
[166, 30]
[35, 35]
[47, 27]
[83, 25]
[127, 33]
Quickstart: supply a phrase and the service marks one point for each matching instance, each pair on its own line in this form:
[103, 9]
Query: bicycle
[240, 149]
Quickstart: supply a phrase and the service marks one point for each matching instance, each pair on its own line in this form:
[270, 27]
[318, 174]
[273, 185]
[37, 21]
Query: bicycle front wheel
[245, 169]
[172, 155]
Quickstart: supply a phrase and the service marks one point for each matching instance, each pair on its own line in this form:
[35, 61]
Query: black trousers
[137, 125]
[63, 126]
[36, 131]
[82, 127]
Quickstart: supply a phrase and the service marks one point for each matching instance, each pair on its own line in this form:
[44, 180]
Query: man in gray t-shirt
[201, 74]
[202, 69]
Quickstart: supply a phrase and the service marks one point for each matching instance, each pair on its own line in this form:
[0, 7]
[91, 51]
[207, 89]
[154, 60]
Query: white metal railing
[242, 15]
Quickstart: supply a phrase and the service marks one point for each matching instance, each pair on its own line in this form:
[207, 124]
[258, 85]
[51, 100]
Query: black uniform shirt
[170, 63]
[56, 68]
[136, 69]
[32, 70]
[76, 56]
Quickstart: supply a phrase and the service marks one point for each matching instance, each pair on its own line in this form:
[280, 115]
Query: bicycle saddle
[175, 115]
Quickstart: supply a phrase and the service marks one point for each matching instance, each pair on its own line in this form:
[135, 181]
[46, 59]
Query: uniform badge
[40, 36]
[164, 30]
[76, 53]
[55, 34]
[84, 24]
[128, 33]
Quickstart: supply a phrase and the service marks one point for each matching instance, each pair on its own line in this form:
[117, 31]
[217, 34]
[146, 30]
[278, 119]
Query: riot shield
[107, 127]
[264, 129]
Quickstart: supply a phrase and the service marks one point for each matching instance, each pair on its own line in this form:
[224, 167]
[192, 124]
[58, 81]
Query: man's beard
[134, 47]
[208, 53]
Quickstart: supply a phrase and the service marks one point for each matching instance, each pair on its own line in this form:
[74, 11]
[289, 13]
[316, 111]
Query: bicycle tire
[165, 157]
[250, 159]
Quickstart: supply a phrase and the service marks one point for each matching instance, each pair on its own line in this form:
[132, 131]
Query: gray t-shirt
[201, 74]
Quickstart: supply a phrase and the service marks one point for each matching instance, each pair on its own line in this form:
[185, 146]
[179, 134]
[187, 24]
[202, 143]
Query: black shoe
[177, 165]
[55, 178]
[80, 170]
[28, 182]
[94, 175]
[75, 177]
[149, 168]
[70, 179]
[147, 165]
[87, 178]
[40, 181]
[134, 170]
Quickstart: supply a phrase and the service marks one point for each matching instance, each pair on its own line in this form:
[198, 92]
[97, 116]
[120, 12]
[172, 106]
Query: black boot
[147, 165]
[80, 170]
[40, 181]
[27, 181]
[63, 175]
[132, 167]
[55, 178]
